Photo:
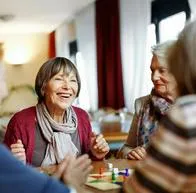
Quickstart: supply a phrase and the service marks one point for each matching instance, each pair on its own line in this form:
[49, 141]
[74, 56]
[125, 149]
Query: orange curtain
[52, 47]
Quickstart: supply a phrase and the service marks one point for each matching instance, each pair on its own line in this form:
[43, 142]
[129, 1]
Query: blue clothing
[15, 177]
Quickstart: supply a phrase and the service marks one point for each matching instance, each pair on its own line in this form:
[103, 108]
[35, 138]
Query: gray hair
[161, 51]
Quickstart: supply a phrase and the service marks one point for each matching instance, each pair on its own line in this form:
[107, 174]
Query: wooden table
[117, 163]
[115, 136]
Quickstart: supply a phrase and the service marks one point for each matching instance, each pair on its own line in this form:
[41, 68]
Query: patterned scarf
[152, 112]
[57, 134]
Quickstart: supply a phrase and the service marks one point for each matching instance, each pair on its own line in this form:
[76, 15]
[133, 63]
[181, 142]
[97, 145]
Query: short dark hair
[49, 69]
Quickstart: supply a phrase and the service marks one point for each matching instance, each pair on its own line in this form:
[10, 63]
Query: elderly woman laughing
[46, 133]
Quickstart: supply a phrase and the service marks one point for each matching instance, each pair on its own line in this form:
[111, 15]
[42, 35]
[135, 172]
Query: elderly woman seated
[149, 109]
[45, 133]
[171, 159]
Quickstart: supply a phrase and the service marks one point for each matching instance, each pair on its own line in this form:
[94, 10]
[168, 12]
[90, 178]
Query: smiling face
[164, 82]
[60, 91]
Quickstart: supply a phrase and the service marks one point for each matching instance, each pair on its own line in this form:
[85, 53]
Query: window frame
[162, 9]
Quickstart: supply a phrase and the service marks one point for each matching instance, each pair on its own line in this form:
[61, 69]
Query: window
[167, 28]
[169, 17]
[151, 41]
[83, 99]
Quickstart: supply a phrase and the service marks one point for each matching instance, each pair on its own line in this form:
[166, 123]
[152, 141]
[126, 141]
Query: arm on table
[130, 149]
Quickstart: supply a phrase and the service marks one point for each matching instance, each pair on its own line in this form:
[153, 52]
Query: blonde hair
[182, 60]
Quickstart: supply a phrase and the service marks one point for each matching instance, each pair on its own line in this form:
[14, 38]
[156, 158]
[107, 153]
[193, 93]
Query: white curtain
[192, 4]
[62, 41]
[134, 22]
[86, 38]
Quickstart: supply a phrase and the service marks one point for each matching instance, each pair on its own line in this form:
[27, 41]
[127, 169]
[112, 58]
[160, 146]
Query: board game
[107, 180]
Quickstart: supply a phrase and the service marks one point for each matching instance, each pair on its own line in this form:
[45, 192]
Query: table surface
[117, 163]
[115, 136]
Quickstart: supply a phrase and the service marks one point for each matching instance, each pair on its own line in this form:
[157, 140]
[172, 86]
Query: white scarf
[57, 134]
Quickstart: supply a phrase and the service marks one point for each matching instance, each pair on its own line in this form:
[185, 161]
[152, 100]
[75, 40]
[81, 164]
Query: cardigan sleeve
[22, 126]
[87, 136]
[85, 131]
[132, 139]
[13, 132]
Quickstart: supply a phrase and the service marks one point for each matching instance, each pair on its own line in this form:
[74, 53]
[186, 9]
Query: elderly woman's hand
[99, 146]
[18, 150]
[74, 171]
[138, 153]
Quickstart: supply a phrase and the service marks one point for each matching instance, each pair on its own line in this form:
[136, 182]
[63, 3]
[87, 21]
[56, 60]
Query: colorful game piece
[99, 176]
[115, 170]
[113, 177]
[101, 170]
[110, 166]
[126, 172]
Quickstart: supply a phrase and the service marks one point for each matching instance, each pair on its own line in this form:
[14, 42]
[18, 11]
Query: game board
[105, 181]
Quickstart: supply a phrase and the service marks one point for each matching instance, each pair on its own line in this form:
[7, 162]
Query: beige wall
[35, 48]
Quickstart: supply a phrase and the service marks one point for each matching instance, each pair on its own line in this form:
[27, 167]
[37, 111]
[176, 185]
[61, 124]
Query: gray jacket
[132, 139]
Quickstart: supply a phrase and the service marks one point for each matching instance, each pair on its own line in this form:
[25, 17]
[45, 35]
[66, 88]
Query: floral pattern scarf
[151, 113]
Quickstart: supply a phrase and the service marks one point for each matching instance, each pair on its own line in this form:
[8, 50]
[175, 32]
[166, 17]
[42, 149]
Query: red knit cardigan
[22, 126]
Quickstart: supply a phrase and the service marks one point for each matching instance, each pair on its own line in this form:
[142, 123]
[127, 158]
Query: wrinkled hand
[138, 153]
[74, 171]
[18, 150]
[99, 146]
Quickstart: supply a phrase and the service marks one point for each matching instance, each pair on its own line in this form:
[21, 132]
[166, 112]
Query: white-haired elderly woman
[149, 109]
[170, 163]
